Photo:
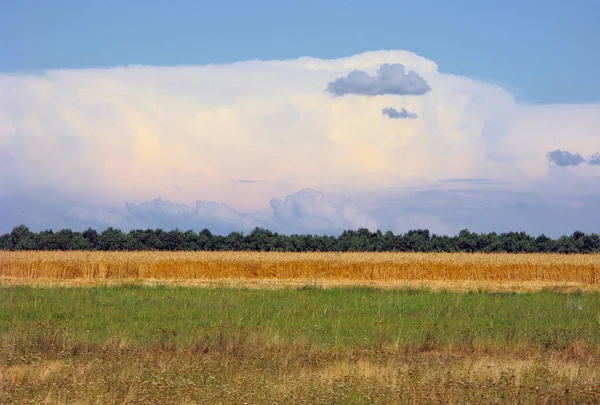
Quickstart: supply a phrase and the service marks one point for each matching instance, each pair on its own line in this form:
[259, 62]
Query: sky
[300, 117]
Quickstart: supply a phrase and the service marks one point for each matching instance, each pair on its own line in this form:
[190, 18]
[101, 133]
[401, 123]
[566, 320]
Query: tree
[190, 240]
[112, 239]
[205, 240]
[591, 243]
[6, 242]
[544, 244]
[467, 241]
[62, 239]
[22, 238]
[234, 241]
[93, 237]
[260, 239]
[566, 244]
[172, 240]
[79, 242]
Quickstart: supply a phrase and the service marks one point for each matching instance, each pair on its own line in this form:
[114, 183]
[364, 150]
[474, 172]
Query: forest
[361, 240]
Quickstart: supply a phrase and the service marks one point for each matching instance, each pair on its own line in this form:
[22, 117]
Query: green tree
[112, 239]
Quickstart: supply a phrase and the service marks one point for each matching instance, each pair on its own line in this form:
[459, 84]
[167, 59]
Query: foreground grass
[279, 376]
[333, 318]
[134, 344]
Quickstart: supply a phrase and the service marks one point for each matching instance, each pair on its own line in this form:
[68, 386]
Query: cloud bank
[74, 143]
[305, 211]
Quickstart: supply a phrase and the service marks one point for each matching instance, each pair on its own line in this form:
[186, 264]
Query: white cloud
[131, 133]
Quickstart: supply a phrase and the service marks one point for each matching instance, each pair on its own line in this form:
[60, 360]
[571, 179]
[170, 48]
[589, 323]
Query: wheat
[325, 266]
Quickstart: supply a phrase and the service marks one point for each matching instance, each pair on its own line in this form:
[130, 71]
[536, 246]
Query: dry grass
[376, 267]
[275, 283]
[152, 376]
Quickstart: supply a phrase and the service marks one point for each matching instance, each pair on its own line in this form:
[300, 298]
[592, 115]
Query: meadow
[139, 344]
[123, 327]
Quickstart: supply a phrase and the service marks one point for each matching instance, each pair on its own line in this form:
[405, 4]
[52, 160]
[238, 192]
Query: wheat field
[584, 269]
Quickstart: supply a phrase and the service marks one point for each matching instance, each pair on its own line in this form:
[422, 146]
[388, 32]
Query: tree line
[361, 240]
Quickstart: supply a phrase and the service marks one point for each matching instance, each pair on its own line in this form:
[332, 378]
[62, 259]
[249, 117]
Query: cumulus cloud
[565, 158]
[218, 217]
[395, 114]
[308, 210]
[390, 79]
[594, 159]
[73, 142]
[159, 213]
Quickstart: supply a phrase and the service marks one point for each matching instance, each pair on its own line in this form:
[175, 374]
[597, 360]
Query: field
[79, 328]
[550, 268]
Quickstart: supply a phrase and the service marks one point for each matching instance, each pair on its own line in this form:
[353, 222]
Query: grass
[139, 344]
[320, 318]
[154, 376]
[583, 269]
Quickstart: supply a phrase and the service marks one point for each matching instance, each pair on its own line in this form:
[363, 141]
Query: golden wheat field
[583, 269]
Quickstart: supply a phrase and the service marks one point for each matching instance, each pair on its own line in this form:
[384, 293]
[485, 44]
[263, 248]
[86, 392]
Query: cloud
[565, 158]
[442, 211]
[309, 211]
[306, 211]
[245, 181]
[474, 181]
[218, 217]
[594, 159]
[74, 143]
[390, 79]
[488, 210]
[395, 114]
[158, 213]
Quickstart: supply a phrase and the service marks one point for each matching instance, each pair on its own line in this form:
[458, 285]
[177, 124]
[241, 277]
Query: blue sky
[544, 51]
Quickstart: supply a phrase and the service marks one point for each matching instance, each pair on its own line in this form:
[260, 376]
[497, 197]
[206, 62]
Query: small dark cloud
[395, 114]
[594, 159]
[245, 181]
[390, 79]
[565, 158]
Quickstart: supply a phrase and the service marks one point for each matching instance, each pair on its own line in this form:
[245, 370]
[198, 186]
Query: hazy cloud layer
[305, 211]
[395, 114]
[309, 211]
[486, 210]
[389, 79]
[245, 181]
[565, 158]
[76, 144]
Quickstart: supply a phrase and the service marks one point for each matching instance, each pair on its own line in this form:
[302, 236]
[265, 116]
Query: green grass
[331, 318]
[174, 345]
